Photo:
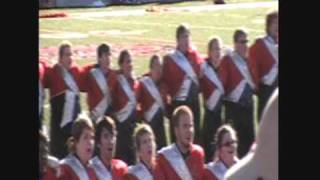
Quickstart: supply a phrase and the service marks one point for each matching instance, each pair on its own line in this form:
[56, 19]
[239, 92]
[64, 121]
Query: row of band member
[230, 80]
[92, 148]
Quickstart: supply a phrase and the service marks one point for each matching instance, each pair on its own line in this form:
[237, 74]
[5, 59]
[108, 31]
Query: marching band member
[105, 166]
[182, 159]
[152, 98]
[239, 87]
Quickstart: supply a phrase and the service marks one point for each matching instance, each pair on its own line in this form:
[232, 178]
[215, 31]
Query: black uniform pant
[158, 129]
[242, 120]
[58, 135]
[124, 146]
[264, 94]
[212, 121]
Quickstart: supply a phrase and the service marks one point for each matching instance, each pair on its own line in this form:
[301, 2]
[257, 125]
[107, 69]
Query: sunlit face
[184, 41]
[215, 52]
[185, 130]
[104, 60]
[241, 45]
[126, 66]
[84, 146]
[147, 149]
[107, 144]
[156, 69]
[228, 149]
[67, 58]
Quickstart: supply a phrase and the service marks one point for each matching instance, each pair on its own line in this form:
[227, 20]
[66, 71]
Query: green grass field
[156, 28]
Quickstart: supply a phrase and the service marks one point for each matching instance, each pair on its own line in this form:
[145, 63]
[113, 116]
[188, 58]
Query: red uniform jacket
[119, 94]
[67, 173]
[156, 173]
[50, 174]
[173, 75]
[195, 164]
[43, 70]
[56, 83]
[260, 61]
[94, 93]
[145, 99]
[119, 169]
[229, 74]
[207, 86]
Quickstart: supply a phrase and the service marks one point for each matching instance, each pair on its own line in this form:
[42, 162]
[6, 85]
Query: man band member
[104, 165]
[152, 98]
[238, 87]
[263, 61]
[101, 83]
[182, 159]
[65, 81]
[180, 73]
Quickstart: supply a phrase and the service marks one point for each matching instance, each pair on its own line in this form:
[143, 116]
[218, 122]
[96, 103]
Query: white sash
[148, 115]
[173, 156]
[212, 76]
[153, 90]
[69, 80]
[68, 108]
[272, 47]
[140, 171]
[123, 114]
[101, 107]
[76, 166]
[212, 101]
[70, 96]
[184, 64]
[184, 89]
[53, 162]
[218, 169]
[269, 78]
[101, 171]
[41, 96]
[242, 67]
[236, 93]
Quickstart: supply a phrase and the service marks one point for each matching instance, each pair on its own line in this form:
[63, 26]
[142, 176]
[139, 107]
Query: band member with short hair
[182, 159]
[105, 166]
[239, 87]
[65, 81]
[152, 100]
[101, 84]
[263, 61]
[181, 74]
